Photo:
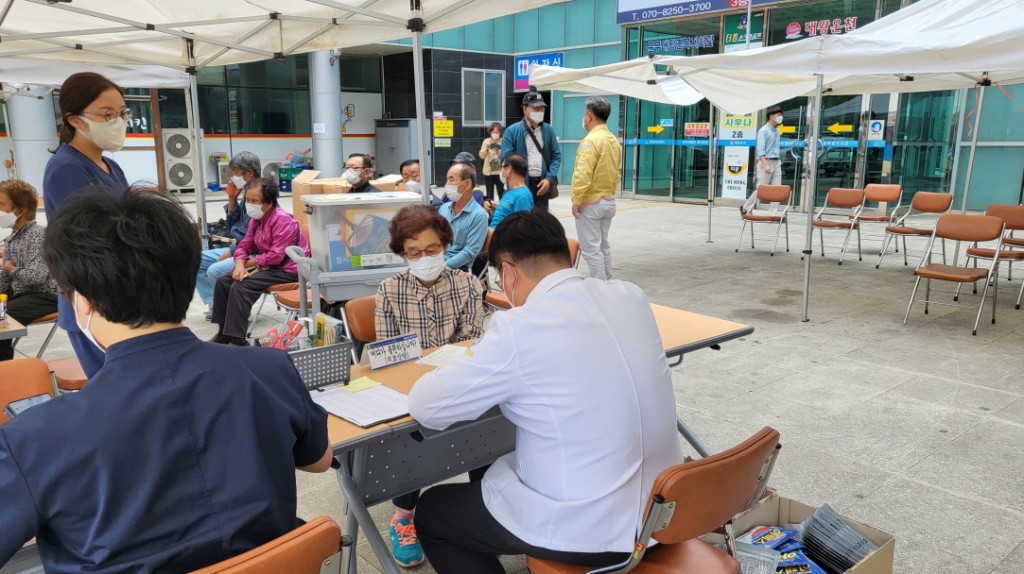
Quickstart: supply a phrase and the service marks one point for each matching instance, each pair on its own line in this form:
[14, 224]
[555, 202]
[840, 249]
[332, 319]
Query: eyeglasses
[109, 116]
[430, 251]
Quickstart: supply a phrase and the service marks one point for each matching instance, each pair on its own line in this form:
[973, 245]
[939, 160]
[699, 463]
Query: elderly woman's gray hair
[246, 161]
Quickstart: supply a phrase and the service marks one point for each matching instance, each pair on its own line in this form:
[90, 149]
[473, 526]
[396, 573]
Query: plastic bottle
[3, 309]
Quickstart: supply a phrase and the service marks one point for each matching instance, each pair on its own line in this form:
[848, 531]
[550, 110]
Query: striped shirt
[449, 311]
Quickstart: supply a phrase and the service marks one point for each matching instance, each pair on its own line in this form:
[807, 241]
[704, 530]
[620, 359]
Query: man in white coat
[578, 366]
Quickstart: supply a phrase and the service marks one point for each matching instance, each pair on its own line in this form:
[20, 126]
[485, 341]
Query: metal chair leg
[778, 232]
[860, 254]
[913, 294]
[905, 250]
[46, 342]
[1019, 294]
[956, 294]
[943, 250]
[821, 234]
[885, 248]
[995, 294]
[752, 235]
[253, 318]
[846, 242]
[740, 240]
[981, 307]
[786, 220]
[927, 293]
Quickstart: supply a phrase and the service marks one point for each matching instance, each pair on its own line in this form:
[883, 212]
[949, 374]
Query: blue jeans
[210, 270]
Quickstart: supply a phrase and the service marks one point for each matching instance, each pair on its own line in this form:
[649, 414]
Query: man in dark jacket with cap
[543, 156]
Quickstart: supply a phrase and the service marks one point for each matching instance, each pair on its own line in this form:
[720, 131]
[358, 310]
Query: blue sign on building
[522, 67]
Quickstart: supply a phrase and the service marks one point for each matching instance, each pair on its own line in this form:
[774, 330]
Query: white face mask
[778, 120]
[537, 117]
[254, 210]
[106, 136]
[510, 290]
[495, 137]
[413, 185]
[585, 123]
[453, 193]
[501, 177]
[352, 176]
[427, 267]
[7, 219]
[88, 322]
[238, 180]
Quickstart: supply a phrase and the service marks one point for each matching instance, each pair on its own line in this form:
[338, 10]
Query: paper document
[443, 355]
[365, 408]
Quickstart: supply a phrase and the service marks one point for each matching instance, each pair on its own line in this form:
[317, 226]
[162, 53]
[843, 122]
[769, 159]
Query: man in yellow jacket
[595, 178]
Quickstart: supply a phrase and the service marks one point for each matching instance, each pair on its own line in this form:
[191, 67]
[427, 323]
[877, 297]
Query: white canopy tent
[633, 78]
[931, 45]
[43, 41]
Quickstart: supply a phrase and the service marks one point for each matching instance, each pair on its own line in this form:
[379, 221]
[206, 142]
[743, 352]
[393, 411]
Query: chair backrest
[774, 193]
[969, 227]
[710, 491]
[574, 252]
[1012, 215]
[883, 192]
[844, 197]
[23, 378]
[487, 240]
[301, 551]
[359, 313]
[931, 202]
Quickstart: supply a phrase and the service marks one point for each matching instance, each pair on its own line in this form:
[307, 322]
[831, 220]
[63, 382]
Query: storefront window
[923, 153]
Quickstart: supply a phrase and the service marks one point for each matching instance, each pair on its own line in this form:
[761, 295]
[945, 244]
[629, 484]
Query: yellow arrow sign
[655, 129]
[787, 129]
[837, 127]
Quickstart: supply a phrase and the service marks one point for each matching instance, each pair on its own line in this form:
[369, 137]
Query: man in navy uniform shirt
[177, 454]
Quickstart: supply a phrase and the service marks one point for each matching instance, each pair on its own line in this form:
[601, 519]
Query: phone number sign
[643, 10]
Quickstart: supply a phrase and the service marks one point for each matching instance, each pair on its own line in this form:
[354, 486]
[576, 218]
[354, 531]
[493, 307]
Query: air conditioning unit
[271, 169]
[178, 163]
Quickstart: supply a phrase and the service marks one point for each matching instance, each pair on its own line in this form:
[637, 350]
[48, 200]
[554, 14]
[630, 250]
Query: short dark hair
[774, 110]
[413, 220]
[517, 163]
[526, 236]
[466, 171]
[407, 163]
[22, 195]
[367, 160]
[599, 107]
[490, 128]
[268, 188]
[134, 254]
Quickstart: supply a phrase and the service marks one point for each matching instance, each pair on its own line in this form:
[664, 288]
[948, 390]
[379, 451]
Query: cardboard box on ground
[307, 182]
[777, 510]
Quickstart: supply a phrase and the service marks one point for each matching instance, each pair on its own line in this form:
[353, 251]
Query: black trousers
[408, 501]
[493, 182]
[233, 300]
[25, 308]
[459, 535]
[539, 201]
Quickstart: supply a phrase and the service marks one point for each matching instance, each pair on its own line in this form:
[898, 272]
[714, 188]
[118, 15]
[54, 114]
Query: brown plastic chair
[357, 316]
[774, 194]
[969, 228]
[882, 193]
[1013, 219]
[923, 202]
[50, 318]
[313, 548]
[842, 198]
[68, 374]
[687, 501]
[23, 378]
[499, 300]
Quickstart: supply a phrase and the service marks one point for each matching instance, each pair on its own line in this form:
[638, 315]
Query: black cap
[463, 157]
[533, 98]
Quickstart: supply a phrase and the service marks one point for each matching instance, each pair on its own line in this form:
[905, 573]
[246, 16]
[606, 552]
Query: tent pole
[416, 25]
[812, 185]
[192, 108]
[712, 165]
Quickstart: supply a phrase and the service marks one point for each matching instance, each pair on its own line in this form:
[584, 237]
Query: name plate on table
[400, 349]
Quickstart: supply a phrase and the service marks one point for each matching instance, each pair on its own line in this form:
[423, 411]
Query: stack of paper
[362, 402]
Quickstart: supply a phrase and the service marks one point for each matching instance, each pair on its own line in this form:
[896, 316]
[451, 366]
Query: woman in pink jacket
[260, 261]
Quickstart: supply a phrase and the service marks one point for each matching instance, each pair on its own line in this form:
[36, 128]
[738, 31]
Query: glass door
[839, 160]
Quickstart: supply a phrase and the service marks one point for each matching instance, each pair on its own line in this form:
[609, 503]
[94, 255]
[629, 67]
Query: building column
[33, 133]
[325, 108]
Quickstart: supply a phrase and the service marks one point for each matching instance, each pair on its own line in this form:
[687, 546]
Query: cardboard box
[387, 182]
[331, 185]
[301, 185]
[776, 510]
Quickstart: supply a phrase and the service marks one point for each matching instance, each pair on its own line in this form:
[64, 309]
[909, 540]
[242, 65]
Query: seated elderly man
[578, 367]
[178, 454]
[441, 305]
[214, 263]
[359, 172]
[259, 261]
[466, 217]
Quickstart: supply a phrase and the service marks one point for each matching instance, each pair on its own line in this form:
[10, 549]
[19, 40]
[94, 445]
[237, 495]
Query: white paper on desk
[365, 408]
[443, 356]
